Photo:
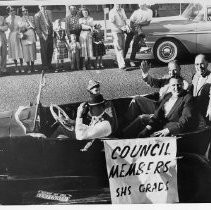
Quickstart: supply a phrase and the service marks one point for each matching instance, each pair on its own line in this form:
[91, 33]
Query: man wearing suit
[173, 116]
[201, 84]
[143, 105]
[44, 29]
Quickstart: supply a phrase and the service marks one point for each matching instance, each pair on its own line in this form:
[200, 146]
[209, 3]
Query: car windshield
[194, 12]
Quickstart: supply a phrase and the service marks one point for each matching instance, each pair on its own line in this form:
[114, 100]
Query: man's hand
[161, 133]
[80, 110]
[145, 67]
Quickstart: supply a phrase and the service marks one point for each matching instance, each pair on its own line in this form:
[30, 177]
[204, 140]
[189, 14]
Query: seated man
[95, 118]
[143, 105]
[173, 116]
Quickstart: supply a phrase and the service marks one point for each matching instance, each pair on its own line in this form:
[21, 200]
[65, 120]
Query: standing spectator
[28, 39]
[61, 45]
[72, 25]
[3, 46]
[140, 17]
[155, 8]
[87, 24]
[44, 29]
[14, 41]
[74, 52]
[98, 45]
[118, 19]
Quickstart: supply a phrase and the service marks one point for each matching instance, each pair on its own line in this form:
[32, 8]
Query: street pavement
[70, 86]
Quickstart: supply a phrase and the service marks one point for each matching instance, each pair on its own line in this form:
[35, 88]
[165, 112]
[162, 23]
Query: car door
[204, 33]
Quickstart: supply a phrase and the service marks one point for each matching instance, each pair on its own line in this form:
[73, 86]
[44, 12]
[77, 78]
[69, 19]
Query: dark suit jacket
[42, 29]
[180, 117]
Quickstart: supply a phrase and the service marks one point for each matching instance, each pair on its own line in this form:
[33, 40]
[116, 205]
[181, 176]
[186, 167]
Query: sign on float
[142, 170]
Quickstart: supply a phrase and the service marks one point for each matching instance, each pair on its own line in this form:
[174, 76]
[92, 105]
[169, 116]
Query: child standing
[74, 52]
[61, 45]
[98, 45]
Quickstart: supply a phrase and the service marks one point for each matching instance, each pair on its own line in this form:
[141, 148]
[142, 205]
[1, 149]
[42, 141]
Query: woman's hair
[84, 9]
[9, 9]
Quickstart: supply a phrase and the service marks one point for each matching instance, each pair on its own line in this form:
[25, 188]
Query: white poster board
[142, 170]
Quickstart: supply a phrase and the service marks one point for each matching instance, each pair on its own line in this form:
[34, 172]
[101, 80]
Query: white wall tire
[166, 50]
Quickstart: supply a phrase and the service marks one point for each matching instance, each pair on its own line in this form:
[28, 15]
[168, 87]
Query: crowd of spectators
[79, 40]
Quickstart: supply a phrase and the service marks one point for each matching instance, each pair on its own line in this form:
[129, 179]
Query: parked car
[170, 37]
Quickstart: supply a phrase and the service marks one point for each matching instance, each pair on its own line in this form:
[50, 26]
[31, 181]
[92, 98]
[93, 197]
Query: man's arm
[37, 25]
[99, 130]
[67, 27]
[83, 132]
[151, 81]
[155, 82]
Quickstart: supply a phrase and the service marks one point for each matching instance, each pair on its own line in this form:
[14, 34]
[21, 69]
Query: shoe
[123, 68]
[22, 70]
[56, 70]
[17, 71]
[132, 64]
[29, 71]
[98, 66]
[101, 66]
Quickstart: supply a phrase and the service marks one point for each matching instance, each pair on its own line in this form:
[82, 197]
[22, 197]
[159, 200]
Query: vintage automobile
[36, 168]
[172, 37]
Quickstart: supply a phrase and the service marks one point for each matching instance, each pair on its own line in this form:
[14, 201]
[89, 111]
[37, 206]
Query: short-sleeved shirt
[117, 19]
[140, 16]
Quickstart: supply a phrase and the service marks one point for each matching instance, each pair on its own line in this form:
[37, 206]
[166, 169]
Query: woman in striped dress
[61, 45]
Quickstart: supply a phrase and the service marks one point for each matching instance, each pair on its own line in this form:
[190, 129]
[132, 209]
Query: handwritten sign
[142, 170]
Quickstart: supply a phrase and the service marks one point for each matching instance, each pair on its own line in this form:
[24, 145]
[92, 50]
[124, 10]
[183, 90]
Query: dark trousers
[135, 48]
[46, 48]
[138, 115]
[140, 105]
[75, 60]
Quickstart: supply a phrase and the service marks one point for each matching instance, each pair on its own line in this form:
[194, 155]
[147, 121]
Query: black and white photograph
[105, 102]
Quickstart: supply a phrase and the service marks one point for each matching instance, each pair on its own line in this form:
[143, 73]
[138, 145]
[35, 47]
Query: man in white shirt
[99, 121]
[142, 105]
[140, 17]
[95, 118]
[173, 116]
[118, 18]
[201, 84]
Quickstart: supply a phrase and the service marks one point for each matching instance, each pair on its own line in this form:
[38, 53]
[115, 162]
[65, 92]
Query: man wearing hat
[44, 29]
[93, 87]
[95, 118]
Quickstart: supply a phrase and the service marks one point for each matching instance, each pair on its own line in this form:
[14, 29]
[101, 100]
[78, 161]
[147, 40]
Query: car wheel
[166, 50]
